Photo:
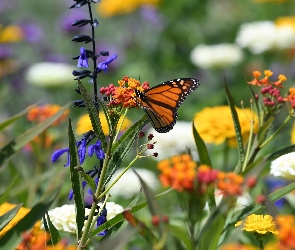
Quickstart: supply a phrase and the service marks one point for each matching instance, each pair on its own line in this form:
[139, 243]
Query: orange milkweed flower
[179, 172]
[230, 183]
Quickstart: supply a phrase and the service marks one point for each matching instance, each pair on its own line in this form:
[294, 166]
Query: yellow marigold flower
[117, 7]
[84, 124]
[286, 21]
[5, 207]
[260, 224]
[10, 34]
[179, 172]
[215, 125]
[41, 113]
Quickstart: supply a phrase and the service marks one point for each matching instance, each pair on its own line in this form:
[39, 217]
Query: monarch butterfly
[161, 102]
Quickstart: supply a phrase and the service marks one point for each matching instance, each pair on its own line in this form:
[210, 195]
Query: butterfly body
[161, 102]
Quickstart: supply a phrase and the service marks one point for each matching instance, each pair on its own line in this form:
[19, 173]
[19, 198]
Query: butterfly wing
[162, 101]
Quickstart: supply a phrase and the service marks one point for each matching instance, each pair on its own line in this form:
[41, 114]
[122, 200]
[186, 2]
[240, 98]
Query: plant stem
[261, 245]
[94, 52]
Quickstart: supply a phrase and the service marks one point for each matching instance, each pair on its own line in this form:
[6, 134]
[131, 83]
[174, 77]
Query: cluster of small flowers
[148, 145]
[124, 94]
[286, 226]
[271, 94]
[181, 173]
[41, 113]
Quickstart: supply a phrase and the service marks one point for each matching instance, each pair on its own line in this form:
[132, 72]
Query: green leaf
[49, 227]
[15, 145]
[93, 115]
[14, 118]
[142, 229]
[262, 133]
[13, 237]
[280, 152]
[209, 238]
[237, 126]
[182, 235]
[76, 183]
[119, 217]
[256, 102]
[122, 148]
[202, 149]
[90, 182]
[7, 217]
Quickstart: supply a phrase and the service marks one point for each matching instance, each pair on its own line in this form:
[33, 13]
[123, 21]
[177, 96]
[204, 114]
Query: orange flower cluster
[41, 113]
[286, 226]
[181, 172]
[124, 94]
[265, 81]
[230, 183]
[178, 173]
[291, 97]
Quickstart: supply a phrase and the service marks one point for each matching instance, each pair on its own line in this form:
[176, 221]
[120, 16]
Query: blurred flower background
[155, 40]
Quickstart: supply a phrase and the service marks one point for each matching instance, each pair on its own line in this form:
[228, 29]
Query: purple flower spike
[97, 149]
[82, 151]
[104, 65]
[58, 153]
[83, 60]
[101, 220]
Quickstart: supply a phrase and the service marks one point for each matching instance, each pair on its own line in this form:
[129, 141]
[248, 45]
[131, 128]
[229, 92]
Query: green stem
[115, 181]
[121, 124]
[261, 245]
[85, 234]
[276, 132]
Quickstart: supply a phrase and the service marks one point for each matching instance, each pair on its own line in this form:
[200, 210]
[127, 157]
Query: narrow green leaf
[15, 145]
[76, 183]
[54, 234]
[93, 115]
[262, 133]
[202, 149]
[237, 126]
[142, 229]
[281, 152]
[209, 238]
[14, 118]
[122, 148]
[150, 197]
[7, 217]
[118, 242]
[90, 182]
[119, 217]
[136, 199]
[13, 237]
[182, 235]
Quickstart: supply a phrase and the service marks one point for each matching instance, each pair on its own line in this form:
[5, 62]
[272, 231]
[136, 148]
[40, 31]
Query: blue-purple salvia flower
[97, 149]
[101, 220]
[104, 65]
[83, 60]
[58, 153]
[82, 150]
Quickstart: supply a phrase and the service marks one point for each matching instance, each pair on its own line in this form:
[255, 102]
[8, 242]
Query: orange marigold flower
[230, 183]
[286, 228]
[41, 113]
[179, 172]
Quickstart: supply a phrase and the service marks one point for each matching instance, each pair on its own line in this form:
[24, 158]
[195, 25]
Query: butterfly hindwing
[162, 101]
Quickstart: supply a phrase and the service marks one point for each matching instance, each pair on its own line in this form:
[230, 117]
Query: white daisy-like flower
[216, 56]
[175, 142]
[284, 166]
[64, 217]
[49, 75]
[129, 184]
[262, 36]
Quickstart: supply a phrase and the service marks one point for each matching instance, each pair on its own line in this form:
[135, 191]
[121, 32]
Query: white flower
[47, 74]
[216, 56]
[64, 217]
[129, 184]
[284, 166]
[175, 142]
[262, 36]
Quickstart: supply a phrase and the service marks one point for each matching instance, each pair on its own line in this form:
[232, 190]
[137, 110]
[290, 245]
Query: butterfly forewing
[162, 101]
